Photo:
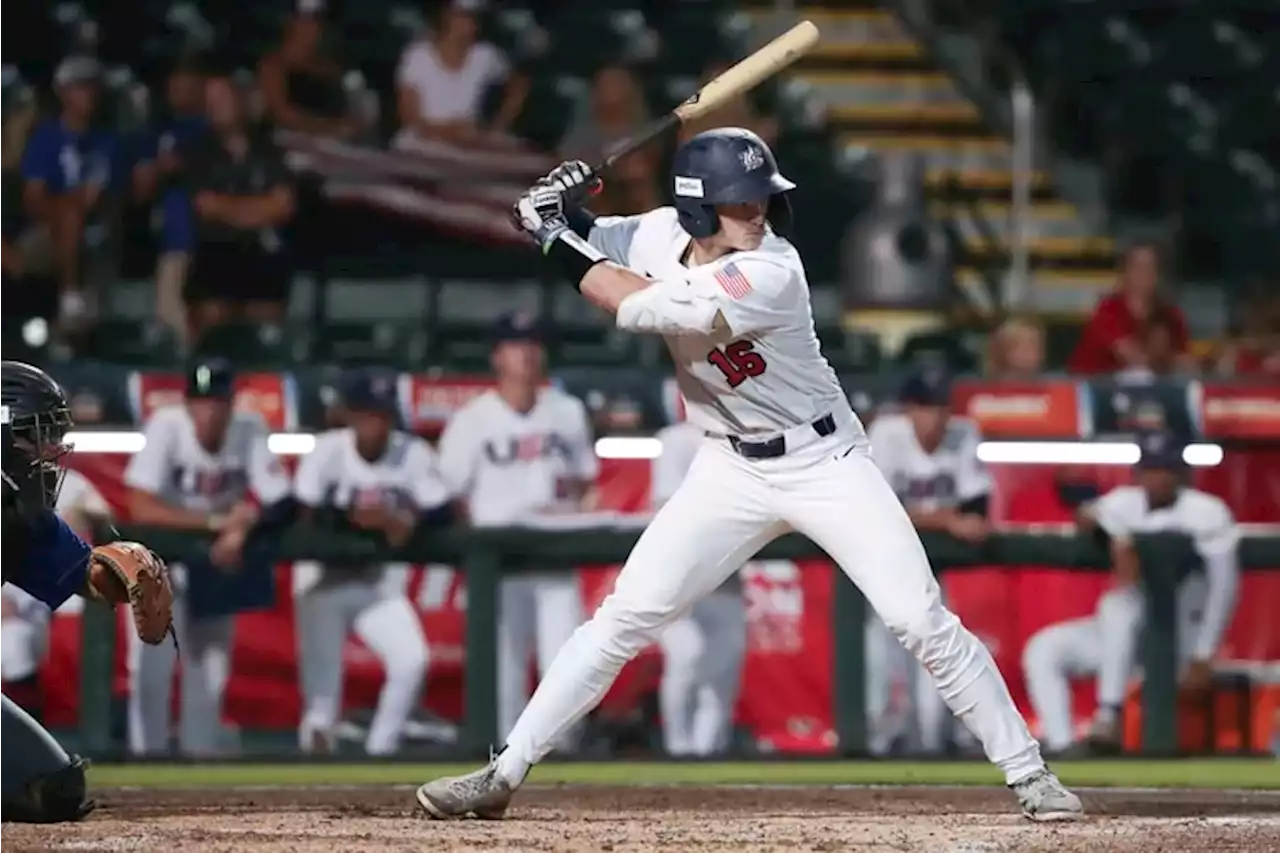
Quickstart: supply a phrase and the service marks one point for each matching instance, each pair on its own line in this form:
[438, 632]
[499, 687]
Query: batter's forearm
[606, 285]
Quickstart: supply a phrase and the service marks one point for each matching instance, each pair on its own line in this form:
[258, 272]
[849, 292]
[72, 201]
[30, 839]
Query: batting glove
[575, 180]
[540, 213]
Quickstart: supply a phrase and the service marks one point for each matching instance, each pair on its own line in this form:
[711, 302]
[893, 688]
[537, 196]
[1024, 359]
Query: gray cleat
[482, 793]
[1043, 798]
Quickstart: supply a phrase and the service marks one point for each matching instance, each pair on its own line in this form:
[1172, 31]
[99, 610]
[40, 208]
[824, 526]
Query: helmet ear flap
[699, 220]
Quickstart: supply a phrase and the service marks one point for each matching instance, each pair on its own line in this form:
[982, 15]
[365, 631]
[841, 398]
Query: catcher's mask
[34, 418]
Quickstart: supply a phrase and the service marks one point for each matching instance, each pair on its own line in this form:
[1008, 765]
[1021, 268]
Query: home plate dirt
[619, 820]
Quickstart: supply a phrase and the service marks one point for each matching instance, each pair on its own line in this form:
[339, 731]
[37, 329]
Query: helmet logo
[689, 187]
[752, 158]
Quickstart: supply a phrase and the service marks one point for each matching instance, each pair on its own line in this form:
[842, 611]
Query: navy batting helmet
[729, 165]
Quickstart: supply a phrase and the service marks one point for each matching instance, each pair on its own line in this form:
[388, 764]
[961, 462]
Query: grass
[1194, 773]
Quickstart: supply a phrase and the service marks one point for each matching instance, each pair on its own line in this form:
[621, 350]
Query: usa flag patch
[732, 281]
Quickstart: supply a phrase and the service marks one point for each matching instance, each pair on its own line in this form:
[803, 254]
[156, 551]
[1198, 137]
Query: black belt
[777, 446]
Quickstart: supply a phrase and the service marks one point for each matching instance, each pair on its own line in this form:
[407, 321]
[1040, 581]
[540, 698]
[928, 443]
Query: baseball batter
[1106, 644]
[45, 558]
[930, 458]
[715, 277]
[24, 637]
[514, 453]
[702, 650]
[370, 476]
[202, 464]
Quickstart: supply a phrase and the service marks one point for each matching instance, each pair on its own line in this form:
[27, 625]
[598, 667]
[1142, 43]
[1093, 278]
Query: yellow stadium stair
[884, 93]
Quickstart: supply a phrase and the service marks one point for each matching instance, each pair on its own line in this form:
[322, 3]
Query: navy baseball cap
[927, 388]
[519, 326]
[370, 391]
[212, 379]
[1160, 451]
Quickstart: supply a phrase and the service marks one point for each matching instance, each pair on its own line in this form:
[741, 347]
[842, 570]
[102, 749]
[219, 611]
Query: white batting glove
[540, 213]
[574, 179]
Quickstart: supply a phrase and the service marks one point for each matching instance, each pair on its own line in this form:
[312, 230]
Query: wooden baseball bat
[743, 77]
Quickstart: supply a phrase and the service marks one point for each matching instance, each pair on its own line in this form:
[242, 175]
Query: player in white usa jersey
[784, 452]
[703, 650]
[514, 455]
[930, 458]
[201, 465]
[370, 476]
[1106, 644]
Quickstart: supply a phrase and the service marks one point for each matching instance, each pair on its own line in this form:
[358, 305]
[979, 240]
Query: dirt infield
[597, 818]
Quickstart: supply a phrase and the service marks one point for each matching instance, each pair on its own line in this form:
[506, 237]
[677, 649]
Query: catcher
[41, 782]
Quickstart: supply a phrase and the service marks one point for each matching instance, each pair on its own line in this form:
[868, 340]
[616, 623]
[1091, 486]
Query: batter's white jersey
[948, 477]
[177, 468]
[510, 466]
[768, 373]
[1125, 511]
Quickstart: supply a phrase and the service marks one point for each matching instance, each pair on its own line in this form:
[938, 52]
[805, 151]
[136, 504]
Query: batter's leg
[1119, 622]
[1050, 658]
[724, 619]
[150, 699]
[322, 616]
[557, 614]
[933, 718]
[517, 621]
[683, 646]
[718, 518]
[392, 629]
[206, 664]
[885, 674]
[850, 511]
[41, 782]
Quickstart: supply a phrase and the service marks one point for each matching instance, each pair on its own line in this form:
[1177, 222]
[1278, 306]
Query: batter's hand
[575, 181]
[540, 213]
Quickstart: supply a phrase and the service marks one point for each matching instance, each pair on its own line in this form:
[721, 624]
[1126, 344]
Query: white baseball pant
[727, 509]
[1105, 645]
[702, 653]
[24, 635]
[206, 664]
[385, 620]
[902, 701]
[537, 613]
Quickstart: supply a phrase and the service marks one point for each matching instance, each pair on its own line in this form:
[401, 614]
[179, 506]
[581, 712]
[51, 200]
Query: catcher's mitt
[145, 581]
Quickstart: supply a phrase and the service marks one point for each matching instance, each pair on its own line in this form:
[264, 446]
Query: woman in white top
[442, 80]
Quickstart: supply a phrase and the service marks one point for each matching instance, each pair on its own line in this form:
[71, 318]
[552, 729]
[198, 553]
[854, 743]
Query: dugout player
[702, 651]
[24, 635]
[930, 458]
[42, 783]
[514, 453]
[1105, 644]
[368, 476]
[205, 467]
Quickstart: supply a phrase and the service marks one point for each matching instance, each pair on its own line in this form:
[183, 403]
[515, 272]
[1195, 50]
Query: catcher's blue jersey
[55, 563]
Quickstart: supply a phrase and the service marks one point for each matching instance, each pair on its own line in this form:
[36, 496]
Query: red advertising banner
[1048, 409]
[1240, 411]
[271, 395]
[427, 402]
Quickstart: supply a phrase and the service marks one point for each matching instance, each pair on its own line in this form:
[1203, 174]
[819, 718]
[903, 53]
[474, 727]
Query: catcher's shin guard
[42, 783]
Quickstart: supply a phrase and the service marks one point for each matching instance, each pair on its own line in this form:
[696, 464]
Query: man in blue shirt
[68, 169]
[44, 557]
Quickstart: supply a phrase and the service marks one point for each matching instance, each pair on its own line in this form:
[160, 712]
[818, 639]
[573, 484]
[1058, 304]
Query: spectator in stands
[69, 169]
[738, 112]
[442, 81]
[1256, 350]
[1016, 349]
[159, 175]
[301, 84]
[1128, 322]
[243, 197]
[616, 107]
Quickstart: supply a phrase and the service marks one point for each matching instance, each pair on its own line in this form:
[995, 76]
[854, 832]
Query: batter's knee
[935, 637]
[622, 628]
